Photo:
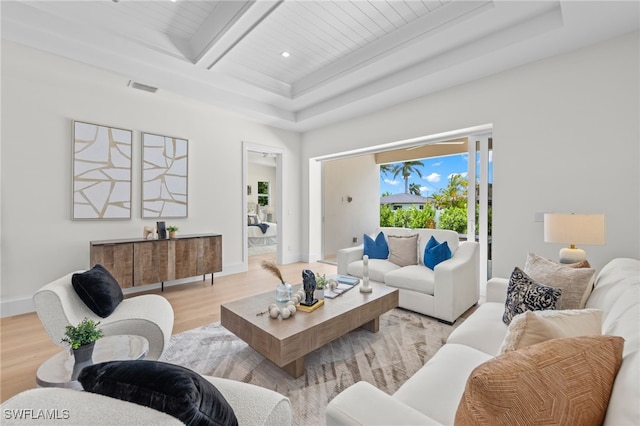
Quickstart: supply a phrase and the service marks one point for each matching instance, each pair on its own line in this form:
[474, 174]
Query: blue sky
[435, 175]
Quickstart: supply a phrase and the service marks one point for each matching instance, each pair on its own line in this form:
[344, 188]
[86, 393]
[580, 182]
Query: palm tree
[414, 189]
[406, 169]
[454, 195]
[386, 169]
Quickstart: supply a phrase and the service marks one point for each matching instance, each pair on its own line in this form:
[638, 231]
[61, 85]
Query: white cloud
[463, 174]
[391, 182]
[433, 177]
[424, 189]
[439, 163]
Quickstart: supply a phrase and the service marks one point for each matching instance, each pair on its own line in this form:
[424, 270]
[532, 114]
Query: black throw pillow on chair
[98, 290]
[172, 389]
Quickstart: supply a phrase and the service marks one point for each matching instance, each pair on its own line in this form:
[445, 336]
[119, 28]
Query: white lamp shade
[573, 229]
[584, 229]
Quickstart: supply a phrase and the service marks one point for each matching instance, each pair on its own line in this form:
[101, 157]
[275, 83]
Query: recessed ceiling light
[285, 54]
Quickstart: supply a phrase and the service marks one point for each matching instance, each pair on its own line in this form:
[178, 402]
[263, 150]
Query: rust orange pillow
[560, 381]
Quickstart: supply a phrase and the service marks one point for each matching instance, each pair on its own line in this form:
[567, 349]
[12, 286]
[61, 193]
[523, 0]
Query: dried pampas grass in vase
[283, 290]
[273, 268]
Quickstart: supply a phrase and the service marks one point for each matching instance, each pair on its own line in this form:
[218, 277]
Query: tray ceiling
[345, 57]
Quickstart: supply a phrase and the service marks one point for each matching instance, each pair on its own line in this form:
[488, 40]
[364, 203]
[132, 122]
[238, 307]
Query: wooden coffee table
[286, 342]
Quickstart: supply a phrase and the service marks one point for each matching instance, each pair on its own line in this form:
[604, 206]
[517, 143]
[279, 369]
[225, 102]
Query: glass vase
[283, 292]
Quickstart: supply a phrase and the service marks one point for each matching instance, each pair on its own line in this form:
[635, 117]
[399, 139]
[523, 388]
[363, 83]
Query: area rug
[386, 359]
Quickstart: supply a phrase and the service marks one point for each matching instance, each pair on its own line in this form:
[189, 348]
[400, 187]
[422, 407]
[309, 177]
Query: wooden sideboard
[136, 261]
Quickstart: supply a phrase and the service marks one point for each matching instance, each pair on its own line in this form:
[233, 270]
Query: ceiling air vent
[141, 86]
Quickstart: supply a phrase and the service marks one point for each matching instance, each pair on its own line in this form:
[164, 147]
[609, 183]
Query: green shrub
[386, 215]
[421, 218]
[406, 218]
[454, 218]
[401, 218]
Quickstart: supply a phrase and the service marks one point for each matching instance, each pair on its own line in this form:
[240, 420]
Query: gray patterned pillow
[524, 294]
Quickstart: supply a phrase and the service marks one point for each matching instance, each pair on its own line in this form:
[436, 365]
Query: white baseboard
[19, 306]
[286, 259]
[16, 306]
[236, 268]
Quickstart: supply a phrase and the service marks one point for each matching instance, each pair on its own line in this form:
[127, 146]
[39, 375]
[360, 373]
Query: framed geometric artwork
[101, 172]
[164, 176]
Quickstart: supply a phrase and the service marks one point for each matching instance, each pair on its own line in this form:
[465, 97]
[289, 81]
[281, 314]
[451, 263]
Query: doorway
[356, 177]
[262, 202]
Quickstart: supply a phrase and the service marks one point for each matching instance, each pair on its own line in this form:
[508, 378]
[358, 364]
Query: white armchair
[150, 315]
[445, 292]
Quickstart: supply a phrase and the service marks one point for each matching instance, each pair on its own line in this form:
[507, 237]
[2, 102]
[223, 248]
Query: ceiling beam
[217, 24]
[241, 27]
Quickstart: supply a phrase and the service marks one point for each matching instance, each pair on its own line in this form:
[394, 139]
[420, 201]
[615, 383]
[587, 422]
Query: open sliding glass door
[480, 200]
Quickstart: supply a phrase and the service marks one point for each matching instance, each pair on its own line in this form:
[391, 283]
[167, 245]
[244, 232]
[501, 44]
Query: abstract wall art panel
[101, 172]
[164, 176]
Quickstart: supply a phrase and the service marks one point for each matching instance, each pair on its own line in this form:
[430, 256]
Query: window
[263, 193]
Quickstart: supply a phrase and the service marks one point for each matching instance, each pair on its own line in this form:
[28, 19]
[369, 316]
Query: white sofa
[432, 395]
[252, 405]
[445, 292]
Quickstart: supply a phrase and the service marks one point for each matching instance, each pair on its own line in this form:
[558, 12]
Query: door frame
[479, 148]
[278, 153]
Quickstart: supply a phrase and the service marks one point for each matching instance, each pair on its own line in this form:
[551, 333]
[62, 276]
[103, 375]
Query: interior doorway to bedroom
[262, 202]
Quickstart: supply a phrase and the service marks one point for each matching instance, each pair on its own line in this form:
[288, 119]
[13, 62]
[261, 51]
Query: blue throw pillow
[376, 249]
[431, 244]
[436, 254]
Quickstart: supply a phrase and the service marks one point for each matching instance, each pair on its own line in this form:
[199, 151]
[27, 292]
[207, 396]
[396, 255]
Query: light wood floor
[24, 344]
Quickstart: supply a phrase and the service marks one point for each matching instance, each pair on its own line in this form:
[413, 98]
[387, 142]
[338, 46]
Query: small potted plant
[321, 284]
[172, 229]
[82, 339]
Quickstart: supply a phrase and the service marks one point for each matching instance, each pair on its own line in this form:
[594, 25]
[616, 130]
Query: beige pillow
[533, 327]
[576, 283]
[403, 251]
[564, 381]
[581, 264]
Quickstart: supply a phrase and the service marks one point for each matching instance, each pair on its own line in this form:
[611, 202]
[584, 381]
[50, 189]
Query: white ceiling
[347, 57]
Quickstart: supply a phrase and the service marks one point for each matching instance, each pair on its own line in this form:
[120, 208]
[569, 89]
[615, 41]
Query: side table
[58, 371]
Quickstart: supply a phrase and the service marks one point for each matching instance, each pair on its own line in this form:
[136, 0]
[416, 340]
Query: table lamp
[269, 210]
[571, 228]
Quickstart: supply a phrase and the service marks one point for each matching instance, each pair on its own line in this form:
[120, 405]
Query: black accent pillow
[170, 388]
[524, 294]
[98, 290]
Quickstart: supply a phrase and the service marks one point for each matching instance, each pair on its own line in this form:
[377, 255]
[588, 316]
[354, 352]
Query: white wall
[566, 138]
[359, 178]
[41, 95]
[566, 134]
